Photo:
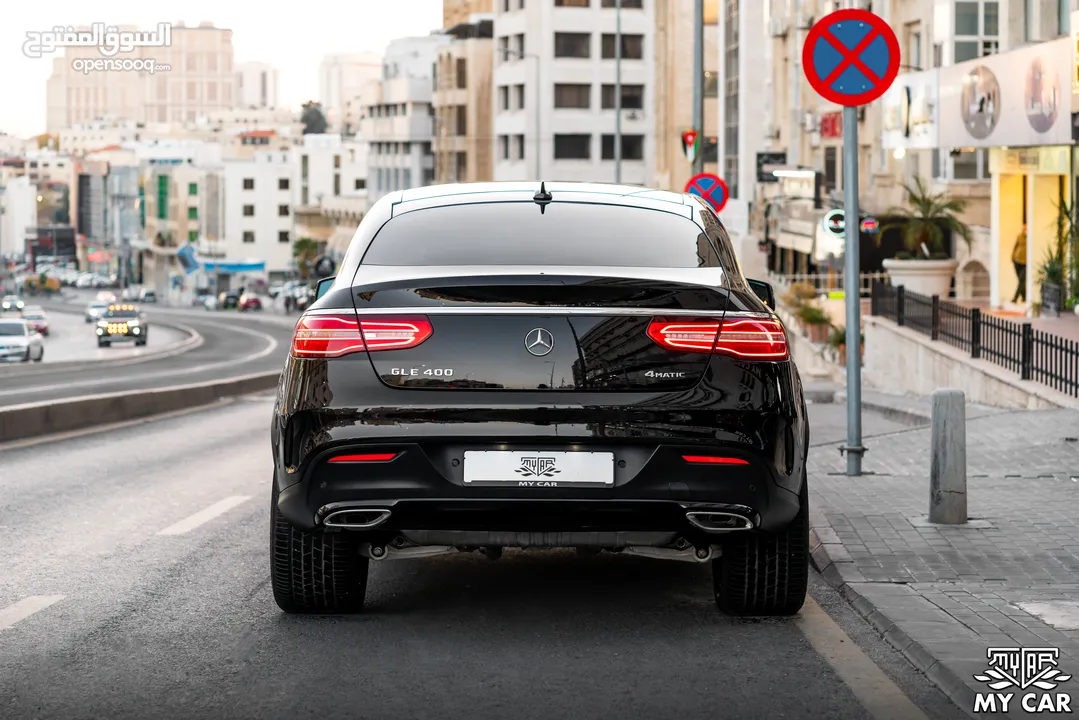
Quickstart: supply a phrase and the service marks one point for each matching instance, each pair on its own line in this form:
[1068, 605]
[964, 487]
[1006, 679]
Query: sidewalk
[944, 595]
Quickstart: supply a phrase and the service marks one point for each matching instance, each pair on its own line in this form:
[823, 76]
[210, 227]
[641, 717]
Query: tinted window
[518, 234]
[11, 329]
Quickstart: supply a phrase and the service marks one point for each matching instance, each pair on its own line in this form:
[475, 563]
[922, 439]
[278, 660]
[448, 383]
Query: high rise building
[257, 85]
[341, 77]
[462, 99]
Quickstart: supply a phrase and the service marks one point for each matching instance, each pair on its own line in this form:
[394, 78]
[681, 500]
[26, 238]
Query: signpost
[851, 58]
[835, 222]
[711, 188]
[689, 144]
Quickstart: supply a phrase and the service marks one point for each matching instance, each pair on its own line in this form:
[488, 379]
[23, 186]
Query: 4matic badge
[654, 374]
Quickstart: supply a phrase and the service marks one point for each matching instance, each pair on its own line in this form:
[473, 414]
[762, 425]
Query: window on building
[249, 183]
[632, 47]
[503, 48]
[711, 84]
[632, 97]
[626, 4]
[519, 44]
[462, 73]
[710, 150]
[283, 236]
[282, 210]
[249, 236]
[962, 165]
[192, 189]
[359, 184]
[632, 147]
[977, 29]
[504, 97]
[337, 184]
[914, 46]
[571, 3]
[572, 45]
[192, 213]
[831, 169]
[282, 183]
[572, 147]
[192, 236]
[337, 161]
[249, 211]
[504, 147]
[574, 95]
[505, 6]
[1064, 17]
[519, 97]
[518, 147]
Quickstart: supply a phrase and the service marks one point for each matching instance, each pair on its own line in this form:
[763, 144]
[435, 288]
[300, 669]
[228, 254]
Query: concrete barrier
[19, 422]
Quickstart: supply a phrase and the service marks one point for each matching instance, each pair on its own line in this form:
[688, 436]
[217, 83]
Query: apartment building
[18, 212]
[341, 77]
[456, 12]
[673, 101]
[259, 194]
[398, 120]
[200, 80]
[462, 101]
[87, 137]
[257, 85]
[554, 90]
[332, 172]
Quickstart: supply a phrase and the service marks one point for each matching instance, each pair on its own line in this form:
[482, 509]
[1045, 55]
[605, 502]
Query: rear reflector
[371, 457]
[712, 460]
[333, 336]
[743, 338]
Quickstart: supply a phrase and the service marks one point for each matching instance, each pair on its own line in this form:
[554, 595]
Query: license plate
[539, 469]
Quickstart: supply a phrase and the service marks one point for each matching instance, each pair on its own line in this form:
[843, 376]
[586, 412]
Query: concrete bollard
[948, 467]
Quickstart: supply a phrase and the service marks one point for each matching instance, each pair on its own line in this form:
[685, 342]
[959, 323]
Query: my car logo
[539, 342]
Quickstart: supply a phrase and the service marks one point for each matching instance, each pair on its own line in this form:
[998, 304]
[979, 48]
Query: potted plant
[815, 322]
[838, 341]
[1051, 278]
[923, 267]
[798, 295]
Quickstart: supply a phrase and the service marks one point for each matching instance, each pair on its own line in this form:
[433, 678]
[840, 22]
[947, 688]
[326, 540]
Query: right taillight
[743, 338]
[337, 335]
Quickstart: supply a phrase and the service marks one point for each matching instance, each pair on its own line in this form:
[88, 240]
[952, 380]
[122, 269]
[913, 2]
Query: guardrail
[1035, 354]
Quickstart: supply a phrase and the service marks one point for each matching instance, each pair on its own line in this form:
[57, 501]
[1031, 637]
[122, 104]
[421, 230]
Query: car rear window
[564, 234]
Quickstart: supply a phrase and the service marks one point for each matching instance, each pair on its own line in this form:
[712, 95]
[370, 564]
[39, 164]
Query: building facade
[456, 12]
[257, 85]
[259, 195]
[462, 139]
[341, 77]
[554, 90]
[18, 212]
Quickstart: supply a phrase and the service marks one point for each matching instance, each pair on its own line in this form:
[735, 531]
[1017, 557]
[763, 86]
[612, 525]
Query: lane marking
[881, 697]
[71, 434]
[204, 516]
[271, 346]
[25, 608]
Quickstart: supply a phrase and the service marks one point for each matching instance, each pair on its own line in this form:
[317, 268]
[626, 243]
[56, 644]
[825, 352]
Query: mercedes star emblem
[539, 342]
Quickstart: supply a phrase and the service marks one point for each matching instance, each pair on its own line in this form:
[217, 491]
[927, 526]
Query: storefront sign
[910, 112]
[831, 125]
[1013, 99]
[1030, 161]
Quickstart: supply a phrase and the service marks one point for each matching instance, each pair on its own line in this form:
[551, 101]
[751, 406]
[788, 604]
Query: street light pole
[698, 82]
[618, 92]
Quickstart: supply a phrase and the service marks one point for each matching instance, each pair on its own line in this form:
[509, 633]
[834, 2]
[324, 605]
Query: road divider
[19, 422]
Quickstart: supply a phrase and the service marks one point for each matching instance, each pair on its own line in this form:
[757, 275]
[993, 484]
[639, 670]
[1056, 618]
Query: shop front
[910, 130]
[1012, 106]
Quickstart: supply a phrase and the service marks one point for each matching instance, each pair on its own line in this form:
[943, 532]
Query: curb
[954, 687]
[891, 412]
[19, 422]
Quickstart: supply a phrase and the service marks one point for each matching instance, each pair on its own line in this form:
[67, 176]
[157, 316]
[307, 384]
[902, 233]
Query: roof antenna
[542, 197]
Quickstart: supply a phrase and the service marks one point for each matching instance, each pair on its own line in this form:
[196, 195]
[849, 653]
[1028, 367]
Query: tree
[304, 250]
[314, 122]
[925, 219]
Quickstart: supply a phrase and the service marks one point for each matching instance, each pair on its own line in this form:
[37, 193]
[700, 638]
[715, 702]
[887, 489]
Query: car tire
[765, 574]
[314, 572]
[102, 343]
[40, 357]
[26, 359]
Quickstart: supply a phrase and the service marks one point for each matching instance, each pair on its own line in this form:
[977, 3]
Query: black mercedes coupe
[540, 365]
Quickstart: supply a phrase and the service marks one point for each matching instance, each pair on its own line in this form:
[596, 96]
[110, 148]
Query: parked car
[147, 296]
[20, 342]
[37, 319]
[250, 302]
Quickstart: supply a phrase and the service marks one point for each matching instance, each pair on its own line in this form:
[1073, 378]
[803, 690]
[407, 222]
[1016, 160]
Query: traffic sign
[711, 188]
[689, 144]
[851, 57]
[870, 226]
[835, 223]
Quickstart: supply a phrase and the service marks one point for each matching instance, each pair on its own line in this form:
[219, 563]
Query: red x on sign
[851, 57]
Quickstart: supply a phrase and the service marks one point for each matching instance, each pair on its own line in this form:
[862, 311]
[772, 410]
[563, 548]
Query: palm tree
[305, 250]
[925, 219]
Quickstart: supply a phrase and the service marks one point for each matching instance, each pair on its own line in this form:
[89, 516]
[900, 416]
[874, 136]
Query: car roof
[488, 192]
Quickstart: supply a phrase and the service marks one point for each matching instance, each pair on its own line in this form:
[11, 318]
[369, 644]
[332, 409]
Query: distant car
[228, 300]
[37, 319]
[128, 293]
[95, 310]
[148, 296]
[11, 303]
[20, 342]
[106, 297]
[250, 302]
[122, 322]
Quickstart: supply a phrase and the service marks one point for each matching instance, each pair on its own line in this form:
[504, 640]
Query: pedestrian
[1019, 260]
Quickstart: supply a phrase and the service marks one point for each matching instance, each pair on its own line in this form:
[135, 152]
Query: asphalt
[234, 344]
[134, 584]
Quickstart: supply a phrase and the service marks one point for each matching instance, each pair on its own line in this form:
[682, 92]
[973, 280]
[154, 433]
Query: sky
[291, 36]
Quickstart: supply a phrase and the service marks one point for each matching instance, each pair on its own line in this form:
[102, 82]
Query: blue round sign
[711, 188]
[851, 57]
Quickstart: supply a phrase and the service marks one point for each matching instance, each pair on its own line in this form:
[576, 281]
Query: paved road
[71, 339]
[234, 344]
[135, 584]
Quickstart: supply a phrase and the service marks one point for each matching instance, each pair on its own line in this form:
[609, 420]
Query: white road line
[204, 516]
[25, 608]
[874, 690]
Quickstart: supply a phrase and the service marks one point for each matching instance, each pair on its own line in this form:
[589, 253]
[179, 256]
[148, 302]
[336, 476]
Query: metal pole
[618, 92]
[698, 82]
[852, 292]
[539, 142]
[948, 462]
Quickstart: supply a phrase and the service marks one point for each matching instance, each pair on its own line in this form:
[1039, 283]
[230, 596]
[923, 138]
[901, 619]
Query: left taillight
[334, 336]
[742, 338]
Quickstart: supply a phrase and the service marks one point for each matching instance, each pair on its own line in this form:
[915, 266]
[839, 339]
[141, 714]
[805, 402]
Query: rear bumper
[654, 490]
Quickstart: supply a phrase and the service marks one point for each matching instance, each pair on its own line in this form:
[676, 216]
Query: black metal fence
[1034, 354]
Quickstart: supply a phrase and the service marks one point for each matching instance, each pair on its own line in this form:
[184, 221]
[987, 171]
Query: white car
[95, 310]
[20, 342]
[12, 303]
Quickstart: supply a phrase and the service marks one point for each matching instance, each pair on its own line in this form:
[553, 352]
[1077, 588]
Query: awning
[340, 238]
[234, 267]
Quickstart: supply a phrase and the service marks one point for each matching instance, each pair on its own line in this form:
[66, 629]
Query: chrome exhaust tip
[713, 521]
[356, 518]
